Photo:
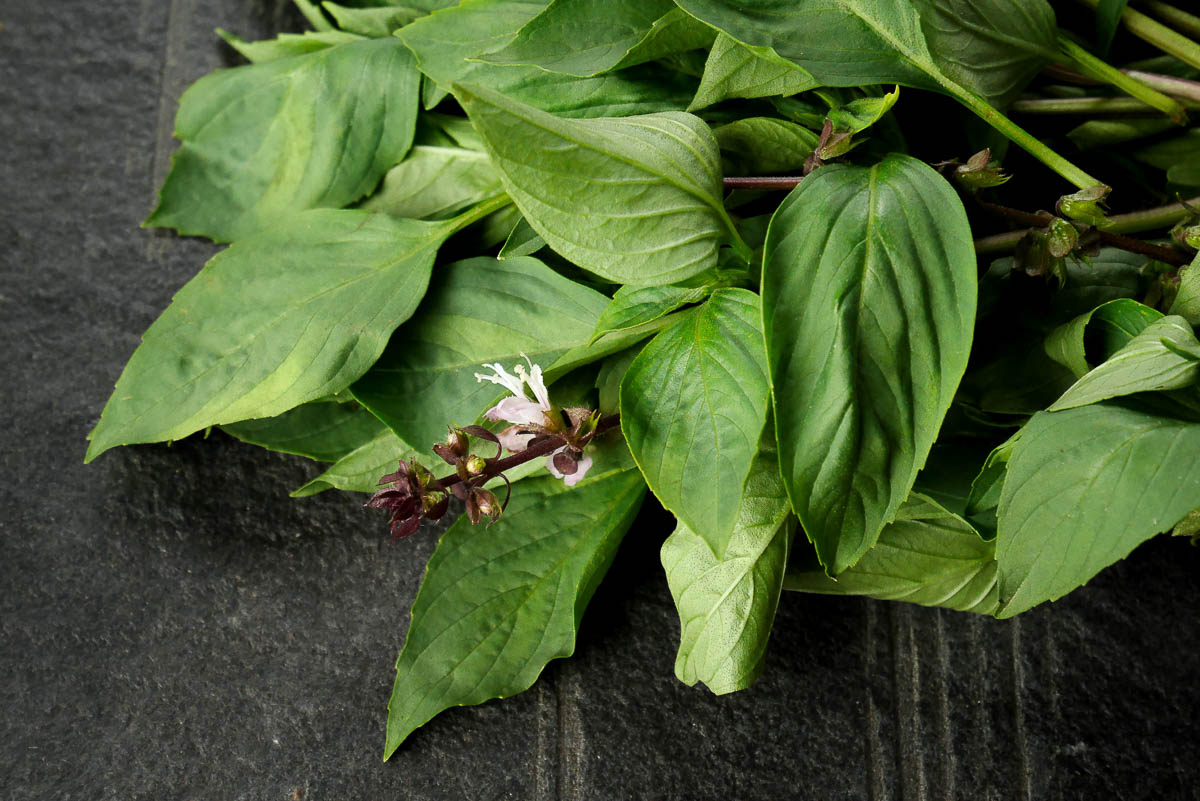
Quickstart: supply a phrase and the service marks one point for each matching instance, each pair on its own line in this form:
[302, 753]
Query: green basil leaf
[869, 295]
[1179, 156]
[286, 44]
[1187, 300]
[860, 42]
[321, 430]
[992, 47]
[735, 70]
[1085, 487]
[434, 183]
[727, 604]
[522, 241]
[447, 42]
[1108, 19]
[636, 200]
[1110, 325]
[498, 604]
[263, 141]
[283, 317]
[765, 145]
[926, 556]
[632, 306]
[360, 469]
[588, 37]
[1165, 355]
[378, 21]
[477, 311]
[693, 407]
[1105, 133]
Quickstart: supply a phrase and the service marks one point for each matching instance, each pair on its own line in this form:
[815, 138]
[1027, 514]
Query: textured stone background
[172, 626]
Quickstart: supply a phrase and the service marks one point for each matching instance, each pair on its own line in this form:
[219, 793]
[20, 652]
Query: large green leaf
[993, 47]
[478, 310]
[926, 43]
[926, 556]
[498, 603]
[321, 430]
[737, 70]
[588, 37]
[265, 140]
[283, 317]
[693, 407]
[868, 306]
[1165, 355]
[375, 21]
[1084, 487]
[448, 42]
[727, 604]
[435, 182]
[636, 200]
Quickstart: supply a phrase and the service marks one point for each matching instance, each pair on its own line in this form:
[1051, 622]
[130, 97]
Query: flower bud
[476, 464]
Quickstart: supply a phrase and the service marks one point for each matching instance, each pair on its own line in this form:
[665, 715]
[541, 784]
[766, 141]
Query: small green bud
[1062, 238]
[1086, 206]
[476, 464]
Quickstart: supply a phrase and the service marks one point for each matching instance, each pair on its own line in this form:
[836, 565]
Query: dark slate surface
[173, 627]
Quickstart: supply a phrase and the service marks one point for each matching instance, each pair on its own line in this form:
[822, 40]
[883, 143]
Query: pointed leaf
[727, 604]
[281, 318]
[643, 203]
[737, 70]
[448, 41]
[693, 406]
[926, 556]
[498, 603]
[265, 140]
[1165, 355]
[286, 44]
[868, 308]
[1187, 300]
[478, 310]
[1085, 487]
[378, 21]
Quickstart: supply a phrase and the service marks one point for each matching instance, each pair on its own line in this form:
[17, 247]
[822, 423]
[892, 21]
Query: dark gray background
[172, 626]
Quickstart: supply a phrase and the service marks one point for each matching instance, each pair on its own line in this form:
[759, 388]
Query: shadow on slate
[172, 626]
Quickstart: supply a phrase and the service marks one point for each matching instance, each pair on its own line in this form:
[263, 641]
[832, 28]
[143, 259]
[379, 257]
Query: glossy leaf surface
[868, 307]
[1085, 487]
[636, 200]
[693, 406]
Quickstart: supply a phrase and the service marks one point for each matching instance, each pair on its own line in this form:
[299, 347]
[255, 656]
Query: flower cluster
[537, 428]
[537, 418]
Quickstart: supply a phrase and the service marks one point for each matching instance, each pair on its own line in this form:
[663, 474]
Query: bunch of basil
[795, 380]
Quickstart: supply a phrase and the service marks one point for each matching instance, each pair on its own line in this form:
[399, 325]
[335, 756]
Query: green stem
[1086, 105]
[478, 212]
[1034, 146]
[1131, 223]
[1185, 23]
[1157, 34]
[1129, 85]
